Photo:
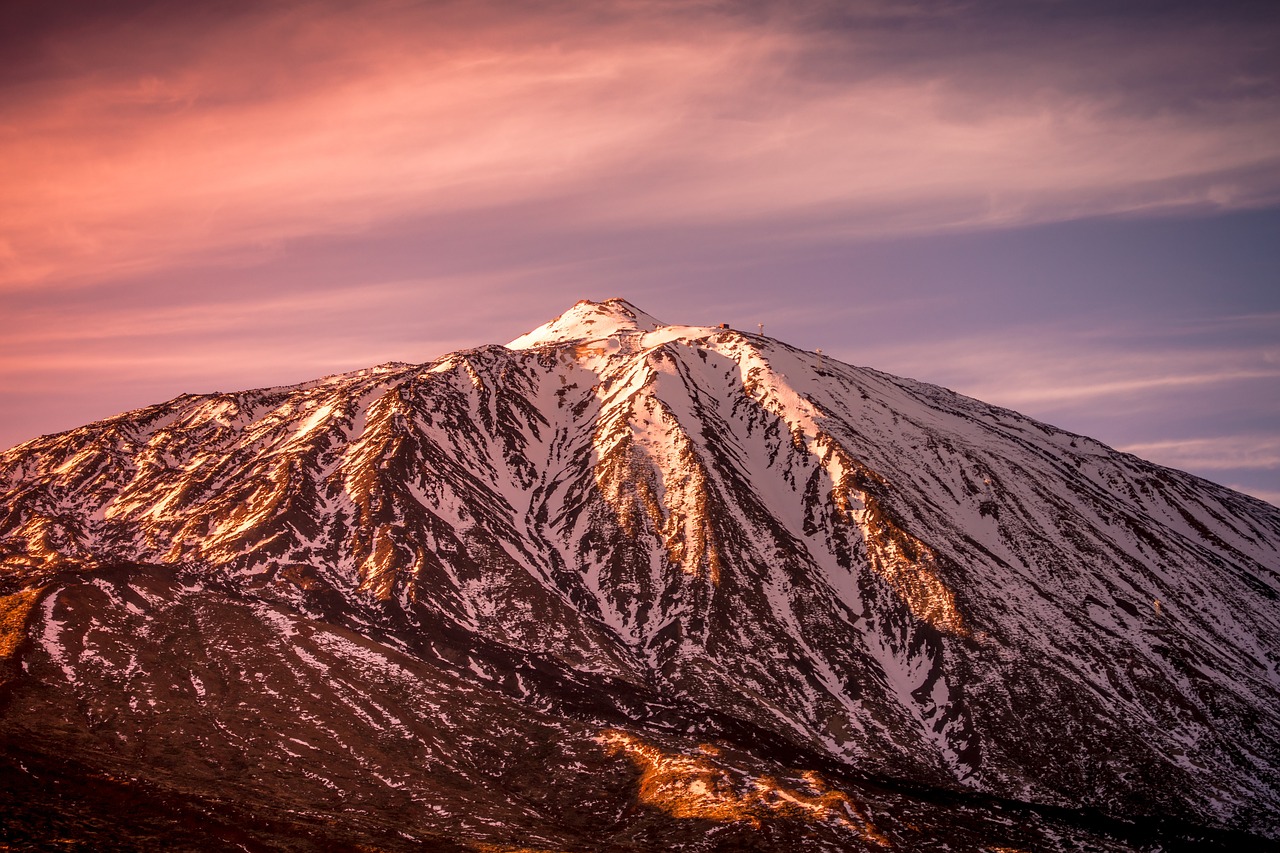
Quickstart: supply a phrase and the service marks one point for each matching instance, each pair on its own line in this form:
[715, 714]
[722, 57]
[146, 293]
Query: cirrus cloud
[150, 139]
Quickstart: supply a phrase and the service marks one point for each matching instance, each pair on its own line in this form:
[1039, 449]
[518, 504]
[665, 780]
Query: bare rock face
[623, 585]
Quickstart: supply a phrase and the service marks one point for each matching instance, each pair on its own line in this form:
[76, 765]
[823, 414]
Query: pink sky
[179, 184]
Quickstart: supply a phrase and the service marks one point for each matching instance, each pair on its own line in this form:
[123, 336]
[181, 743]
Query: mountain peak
[588, 320]
[662, 576]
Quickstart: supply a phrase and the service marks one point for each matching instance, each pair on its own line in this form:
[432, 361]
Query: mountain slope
[614, 540]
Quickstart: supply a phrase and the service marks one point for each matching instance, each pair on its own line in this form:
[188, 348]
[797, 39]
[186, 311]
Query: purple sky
[1068, 208]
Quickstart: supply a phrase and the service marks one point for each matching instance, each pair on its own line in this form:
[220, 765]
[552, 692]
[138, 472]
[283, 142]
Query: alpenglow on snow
[621, 585]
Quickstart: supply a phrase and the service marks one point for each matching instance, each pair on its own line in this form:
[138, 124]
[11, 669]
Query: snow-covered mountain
[622, 585]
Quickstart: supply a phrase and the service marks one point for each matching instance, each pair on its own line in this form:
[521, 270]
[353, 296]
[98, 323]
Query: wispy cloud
[1218, 453]
[196, 337]
[167, 141]
[1041, 392]
[1271, 496]
[1051, 369]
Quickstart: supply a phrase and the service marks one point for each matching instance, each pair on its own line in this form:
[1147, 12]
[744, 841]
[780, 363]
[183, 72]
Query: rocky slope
[620, 585]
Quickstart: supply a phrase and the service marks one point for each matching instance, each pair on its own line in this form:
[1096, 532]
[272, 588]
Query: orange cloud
[308, 121]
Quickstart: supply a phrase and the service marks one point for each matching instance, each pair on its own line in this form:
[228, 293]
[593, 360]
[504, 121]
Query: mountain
[621, 586]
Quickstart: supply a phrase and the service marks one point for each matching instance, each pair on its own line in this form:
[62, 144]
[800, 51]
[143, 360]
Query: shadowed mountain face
[622, 585]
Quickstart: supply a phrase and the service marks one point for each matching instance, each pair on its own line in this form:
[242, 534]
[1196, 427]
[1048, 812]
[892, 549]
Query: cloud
[149, 140]
[1198, 397]
[1217, 453]
[196, 337]
[1104, 383]
[1271, 496]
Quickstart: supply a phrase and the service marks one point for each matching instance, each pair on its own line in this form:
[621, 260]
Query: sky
[1067, 207]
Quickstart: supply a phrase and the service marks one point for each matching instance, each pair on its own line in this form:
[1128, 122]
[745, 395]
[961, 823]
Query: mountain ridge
[612, 516]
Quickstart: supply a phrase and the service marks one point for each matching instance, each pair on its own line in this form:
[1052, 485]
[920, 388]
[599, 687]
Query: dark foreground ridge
[624, 586]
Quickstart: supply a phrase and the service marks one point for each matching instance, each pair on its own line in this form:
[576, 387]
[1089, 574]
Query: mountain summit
[621, 585]
[588, 320]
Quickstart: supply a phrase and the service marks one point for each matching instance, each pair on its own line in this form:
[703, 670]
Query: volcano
[621, 585]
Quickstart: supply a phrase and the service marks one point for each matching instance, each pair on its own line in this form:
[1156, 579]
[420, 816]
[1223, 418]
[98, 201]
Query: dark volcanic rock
[627, 586]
